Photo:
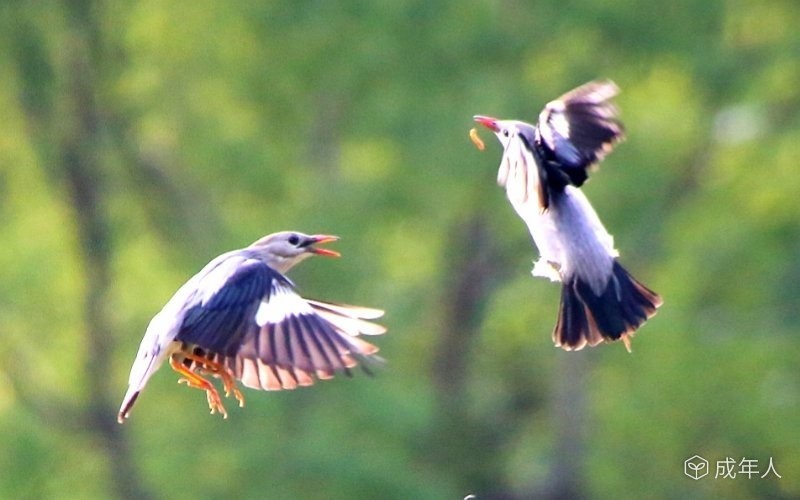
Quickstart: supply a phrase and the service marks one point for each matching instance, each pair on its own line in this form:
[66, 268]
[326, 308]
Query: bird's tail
[145, 365]
[127, 403]
[586, 318]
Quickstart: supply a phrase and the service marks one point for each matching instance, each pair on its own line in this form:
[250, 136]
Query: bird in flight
[542, 169]
[240, 318]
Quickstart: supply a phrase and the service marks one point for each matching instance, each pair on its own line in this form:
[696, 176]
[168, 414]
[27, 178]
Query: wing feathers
[346, 309]
[577, 130]
[352, 326]
[271, 338]
[306, 340]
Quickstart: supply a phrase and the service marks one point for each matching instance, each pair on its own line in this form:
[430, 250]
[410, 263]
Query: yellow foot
[194, 380]
[218, 370]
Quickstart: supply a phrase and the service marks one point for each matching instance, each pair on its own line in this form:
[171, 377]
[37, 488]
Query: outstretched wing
[270, 338]
[576, 131]
[221, 312]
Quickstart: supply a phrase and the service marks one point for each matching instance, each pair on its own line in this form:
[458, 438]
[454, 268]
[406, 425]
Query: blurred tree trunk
[469, 445]
[79, 161]
[470, 279]
[81, 158]
[63, 108]
[568, 403]
[463, 445]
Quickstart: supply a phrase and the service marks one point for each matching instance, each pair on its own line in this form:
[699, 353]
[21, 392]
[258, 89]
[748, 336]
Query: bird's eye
[294, 239]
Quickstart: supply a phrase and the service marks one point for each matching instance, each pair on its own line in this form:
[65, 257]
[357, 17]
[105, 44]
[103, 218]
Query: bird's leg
[218, 370]
[192, 379]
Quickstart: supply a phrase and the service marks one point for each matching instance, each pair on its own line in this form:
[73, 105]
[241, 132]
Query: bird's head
[508, 130]
[283, 250]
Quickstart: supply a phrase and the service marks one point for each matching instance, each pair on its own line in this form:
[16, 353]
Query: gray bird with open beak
[542, 169]
[240, 318]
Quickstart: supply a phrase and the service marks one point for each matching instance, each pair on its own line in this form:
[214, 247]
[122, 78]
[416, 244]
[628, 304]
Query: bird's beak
[319, 239]
[488, 122]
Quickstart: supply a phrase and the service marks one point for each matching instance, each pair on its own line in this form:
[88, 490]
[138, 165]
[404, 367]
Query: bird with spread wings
[240, 318]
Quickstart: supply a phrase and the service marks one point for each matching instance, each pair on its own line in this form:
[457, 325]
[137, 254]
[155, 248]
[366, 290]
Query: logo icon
[695, 467]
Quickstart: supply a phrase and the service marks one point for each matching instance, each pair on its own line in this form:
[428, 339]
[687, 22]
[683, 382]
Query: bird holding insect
[542, 169]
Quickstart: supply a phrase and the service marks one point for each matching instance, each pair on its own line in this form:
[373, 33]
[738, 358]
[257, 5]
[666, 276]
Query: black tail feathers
[586, 318]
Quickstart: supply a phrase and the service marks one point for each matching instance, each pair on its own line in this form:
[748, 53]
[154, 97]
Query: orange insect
[473, 136]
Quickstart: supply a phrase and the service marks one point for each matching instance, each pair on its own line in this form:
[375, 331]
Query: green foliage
[221, 122]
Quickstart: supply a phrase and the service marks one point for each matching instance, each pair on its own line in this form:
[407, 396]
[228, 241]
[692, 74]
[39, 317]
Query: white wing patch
[282, 303]
[552, 118]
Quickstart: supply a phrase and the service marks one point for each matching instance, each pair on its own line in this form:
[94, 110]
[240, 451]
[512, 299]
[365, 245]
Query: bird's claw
[215, 403]
[192, 379]
[228, 383]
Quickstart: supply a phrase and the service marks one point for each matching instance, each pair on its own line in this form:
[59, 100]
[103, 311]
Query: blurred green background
[138, 140]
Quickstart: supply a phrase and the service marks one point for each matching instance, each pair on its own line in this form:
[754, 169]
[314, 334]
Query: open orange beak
[319, 239]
